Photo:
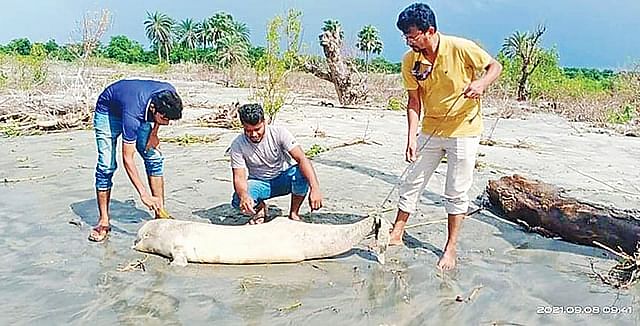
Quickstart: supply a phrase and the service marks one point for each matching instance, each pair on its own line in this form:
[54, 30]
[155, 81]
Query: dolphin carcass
[278, 241]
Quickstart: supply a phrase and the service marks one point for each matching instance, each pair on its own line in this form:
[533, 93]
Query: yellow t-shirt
[457, 62]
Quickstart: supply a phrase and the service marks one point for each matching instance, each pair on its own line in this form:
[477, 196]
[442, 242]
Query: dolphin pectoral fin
[381, 258]
[179, 258]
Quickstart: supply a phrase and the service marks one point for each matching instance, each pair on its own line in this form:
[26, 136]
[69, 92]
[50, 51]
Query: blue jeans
[108, 129]
[290, 181]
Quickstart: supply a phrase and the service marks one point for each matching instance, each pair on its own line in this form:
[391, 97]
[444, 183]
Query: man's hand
[153, 141]
[474, 90]
[411, 153]
[154, 203]
[315, 200]
[246, 205]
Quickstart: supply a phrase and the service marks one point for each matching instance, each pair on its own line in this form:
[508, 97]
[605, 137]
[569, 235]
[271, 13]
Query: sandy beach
[52, 275]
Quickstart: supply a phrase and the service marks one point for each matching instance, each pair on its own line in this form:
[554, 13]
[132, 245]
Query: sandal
[102, 231]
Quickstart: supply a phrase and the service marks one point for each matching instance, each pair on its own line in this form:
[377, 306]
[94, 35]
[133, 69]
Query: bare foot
[448, 260]
[294, 217]
[396, 238]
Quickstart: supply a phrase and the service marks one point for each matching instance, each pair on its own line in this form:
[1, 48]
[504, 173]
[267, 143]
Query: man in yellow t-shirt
[440, 76]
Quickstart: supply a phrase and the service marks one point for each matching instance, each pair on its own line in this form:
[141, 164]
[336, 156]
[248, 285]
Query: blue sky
[587, 33]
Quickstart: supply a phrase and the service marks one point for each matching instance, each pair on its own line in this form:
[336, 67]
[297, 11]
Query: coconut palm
[241, 30]
[158, 27]
[188, 36]
[187, 33]
[216, 27]
[231, 51]
[369, 42]
[526, 48]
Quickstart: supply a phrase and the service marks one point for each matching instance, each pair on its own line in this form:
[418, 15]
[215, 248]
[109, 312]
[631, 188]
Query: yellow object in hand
[162, 213]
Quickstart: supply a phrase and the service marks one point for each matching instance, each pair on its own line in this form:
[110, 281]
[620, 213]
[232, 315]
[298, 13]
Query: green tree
[51, 46]
[123, 49]
[20, 46]
[188, 34]
[241, 31]
[369, 42]
[159, 27]
[275, 65]
[216, 27]
[230, 52]
[526, 48]
[256, 53]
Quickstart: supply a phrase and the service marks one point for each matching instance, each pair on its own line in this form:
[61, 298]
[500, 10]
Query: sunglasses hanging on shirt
[418, 74]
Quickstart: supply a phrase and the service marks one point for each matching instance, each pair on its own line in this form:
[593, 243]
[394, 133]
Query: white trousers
[461, 160]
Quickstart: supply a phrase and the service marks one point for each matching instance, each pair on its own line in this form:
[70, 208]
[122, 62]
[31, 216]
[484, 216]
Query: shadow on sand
[389, 178]
[122, 213]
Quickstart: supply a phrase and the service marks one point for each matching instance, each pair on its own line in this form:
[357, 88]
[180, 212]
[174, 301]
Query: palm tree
[525, 47]
[241, 30]
[231, 50]
[369, 42]
[158, 27]
[217, 26]
[187, 35]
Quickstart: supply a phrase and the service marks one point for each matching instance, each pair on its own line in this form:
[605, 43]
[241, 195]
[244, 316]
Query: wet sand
[52, 275]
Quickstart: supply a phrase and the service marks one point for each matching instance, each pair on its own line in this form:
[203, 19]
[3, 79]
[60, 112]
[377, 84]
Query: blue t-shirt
[128, 99]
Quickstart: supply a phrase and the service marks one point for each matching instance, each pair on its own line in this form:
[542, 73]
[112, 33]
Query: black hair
[168, 103]
[251, 114]
[418, 15]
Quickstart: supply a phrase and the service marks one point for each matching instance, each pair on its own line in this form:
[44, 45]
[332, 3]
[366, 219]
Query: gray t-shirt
[266, 159]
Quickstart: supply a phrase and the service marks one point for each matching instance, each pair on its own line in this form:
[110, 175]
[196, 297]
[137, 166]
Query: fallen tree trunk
[542, 209]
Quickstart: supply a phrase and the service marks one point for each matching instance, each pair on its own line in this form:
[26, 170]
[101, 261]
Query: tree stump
[541, 207]
[340, 71]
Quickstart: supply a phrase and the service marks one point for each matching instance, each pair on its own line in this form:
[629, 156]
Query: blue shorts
[290, 181]
[108, 129]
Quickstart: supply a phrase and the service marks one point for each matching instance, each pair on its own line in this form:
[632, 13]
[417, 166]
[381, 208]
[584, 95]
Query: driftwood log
[542, 209]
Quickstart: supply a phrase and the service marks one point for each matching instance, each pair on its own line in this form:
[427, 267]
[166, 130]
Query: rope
[406, 169]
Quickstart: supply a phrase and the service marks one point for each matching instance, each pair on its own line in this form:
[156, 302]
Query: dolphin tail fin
[382, 229]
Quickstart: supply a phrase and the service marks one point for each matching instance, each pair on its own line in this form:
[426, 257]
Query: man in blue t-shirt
[135, 109]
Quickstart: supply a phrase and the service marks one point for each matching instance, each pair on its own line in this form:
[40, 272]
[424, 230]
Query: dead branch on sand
[225, 117]
[8, 180]
[624, 274]
[471, 296]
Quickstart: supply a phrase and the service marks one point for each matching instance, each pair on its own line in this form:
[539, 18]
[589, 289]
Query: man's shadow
[122, 214]
[225, 214]
[392, 179]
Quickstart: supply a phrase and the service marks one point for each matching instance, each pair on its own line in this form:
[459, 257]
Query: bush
[125, 50]
[395, 104]
[622, 116]
[162, 68]
[315, 150]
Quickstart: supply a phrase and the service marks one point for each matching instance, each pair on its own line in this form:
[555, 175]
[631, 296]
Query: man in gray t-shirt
[267, 162]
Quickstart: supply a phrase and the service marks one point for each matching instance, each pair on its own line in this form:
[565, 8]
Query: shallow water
[52, 275]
